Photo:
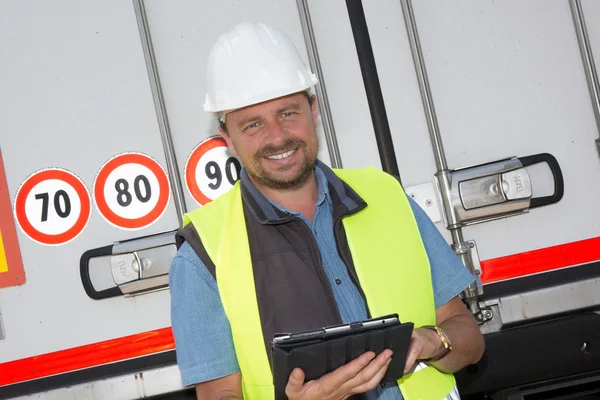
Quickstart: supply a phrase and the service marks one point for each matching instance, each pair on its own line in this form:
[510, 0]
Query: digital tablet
[320, 351]
[335, 330]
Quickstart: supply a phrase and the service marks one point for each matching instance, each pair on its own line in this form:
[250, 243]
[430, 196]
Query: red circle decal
[131, 191]
[52, 206]
[211, 170]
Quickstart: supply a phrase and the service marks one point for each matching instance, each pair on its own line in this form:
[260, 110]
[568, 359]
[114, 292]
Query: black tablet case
[321, 355]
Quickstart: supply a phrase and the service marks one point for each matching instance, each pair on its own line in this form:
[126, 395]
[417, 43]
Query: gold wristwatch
[445, 341]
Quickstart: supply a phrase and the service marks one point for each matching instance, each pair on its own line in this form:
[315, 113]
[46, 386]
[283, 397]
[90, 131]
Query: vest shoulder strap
[190, 235]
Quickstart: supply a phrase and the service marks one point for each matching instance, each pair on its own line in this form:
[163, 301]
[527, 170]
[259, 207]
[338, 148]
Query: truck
[487, 110]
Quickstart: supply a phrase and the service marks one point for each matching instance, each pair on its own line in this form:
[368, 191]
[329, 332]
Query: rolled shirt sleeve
[203, 340]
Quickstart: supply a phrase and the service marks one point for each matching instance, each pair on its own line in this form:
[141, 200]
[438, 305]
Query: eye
[287, 114]
[254, 125]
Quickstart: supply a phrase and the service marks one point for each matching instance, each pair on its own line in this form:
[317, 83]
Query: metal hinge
[467, 252]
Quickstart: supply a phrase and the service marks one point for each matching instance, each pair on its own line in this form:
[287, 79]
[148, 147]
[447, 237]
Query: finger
[414, 349]
[295, 382]
[346, 372]
[337, 381]
[371, 370]
[374, 381]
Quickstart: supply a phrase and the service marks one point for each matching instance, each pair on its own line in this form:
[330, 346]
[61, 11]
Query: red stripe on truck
[160, 340]
[542, 260]
[90, 355]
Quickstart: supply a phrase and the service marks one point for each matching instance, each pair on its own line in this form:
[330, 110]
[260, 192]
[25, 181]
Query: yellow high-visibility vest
[388, 255]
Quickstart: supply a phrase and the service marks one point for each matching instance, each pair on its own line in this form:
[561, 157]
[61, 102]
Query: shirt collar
[327, 182]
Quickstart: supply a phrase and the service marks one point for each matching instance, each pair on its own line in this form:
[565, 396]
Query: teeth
[281, 156]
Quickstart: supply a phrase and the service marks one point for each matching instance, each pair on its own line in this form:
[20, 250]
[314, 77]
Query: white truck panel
[507, 80]
[75, 92]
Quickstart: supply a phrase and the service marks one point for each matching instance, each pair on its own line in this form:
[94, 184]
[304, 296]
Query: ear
[313, 108]
[227, 138]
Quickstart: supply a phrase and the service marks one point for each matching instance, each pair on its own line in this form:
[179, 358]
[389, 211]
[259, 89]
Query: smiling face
[276, 141]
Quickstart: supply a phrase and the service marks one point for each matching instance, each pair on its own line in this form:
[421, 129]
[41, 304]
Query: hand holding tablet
[321, 351]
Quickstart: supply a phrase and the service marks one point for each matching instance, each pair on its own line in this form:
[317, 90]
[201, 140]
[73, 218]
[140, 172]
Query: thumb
[295, 382]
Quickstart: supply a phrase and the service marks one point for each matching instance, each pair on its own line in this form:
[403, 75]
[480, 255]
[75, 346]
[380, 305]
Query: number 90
[213, 172]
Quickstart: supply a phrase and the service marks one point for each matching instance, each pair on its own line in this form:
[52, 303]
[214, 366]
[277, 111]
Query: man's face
[276, 141]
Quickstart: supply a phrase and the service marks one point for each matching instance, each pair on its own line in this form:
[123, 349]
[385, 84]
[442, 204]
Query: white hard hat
[251, 64]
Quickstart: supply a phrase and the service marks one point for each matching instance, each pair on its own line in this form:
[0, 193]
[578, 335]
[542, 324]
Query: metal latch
[494, 190]
[132, 267]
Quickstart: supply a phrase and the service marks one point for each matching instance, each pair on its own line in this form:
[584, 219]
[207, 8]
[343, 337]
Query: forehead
[269, 106]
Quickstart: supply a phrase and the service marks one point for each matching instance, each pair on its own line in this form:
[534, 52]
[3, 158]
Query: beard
[290, 181]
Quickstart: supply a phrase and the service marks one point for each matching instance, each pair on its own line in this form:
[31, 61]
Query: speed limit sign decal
[131, 191]
[52, 206]
[211, 170]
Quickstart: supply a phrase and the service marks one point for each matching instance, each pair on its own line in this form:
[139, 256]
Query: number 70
[63, 213]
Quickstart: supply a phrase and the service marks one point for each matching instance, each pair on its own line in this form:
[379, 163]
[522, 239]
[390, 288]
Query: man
[296, 245]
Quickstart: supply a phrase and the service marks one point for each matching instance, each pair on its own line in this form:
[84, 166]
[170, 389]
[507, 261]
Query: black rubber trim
[534, 353]
[368, 69]
[132, 366]
[541, 281]
[578, 386]
[559, 183]
[85, 274]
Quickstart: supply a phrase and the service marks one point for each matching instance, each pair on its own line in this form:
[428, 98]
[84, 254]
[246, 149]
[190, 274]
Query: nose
[276, 133]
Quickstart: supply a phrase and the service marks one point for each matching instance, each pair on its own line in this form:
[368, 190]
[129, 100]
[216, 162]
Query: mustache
[270, 150]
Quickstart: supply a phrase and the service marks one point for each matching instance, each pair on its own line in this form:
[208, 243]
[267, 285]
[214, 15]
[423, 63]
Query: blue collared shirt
[202, 333]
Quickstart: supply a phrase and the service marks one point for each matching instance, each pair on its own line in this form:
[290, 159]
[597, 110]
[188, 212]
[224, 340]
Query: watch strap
[445, 341]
